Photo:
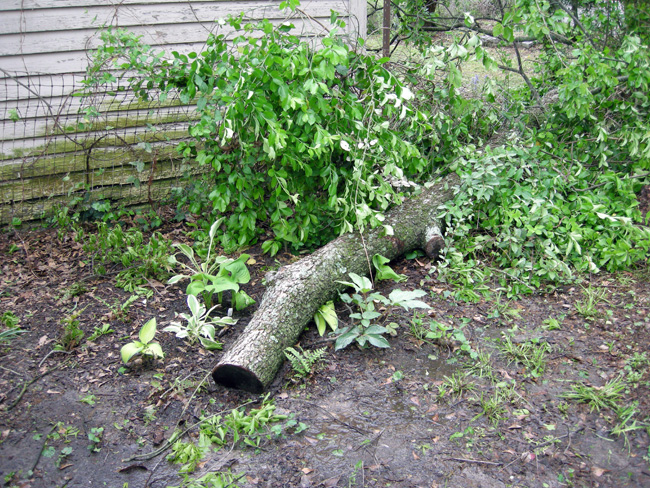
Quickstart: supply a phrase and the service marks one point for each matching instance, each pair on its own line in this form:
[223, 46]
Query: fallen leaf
[415, 400]
[53, 392]
[251, 261]
[415, 456]
[598, 472]
[305, 470]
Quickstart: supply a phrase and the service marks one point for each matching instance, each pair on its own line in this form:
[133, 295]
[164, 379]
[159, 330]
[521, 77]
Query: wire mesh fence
[60, 144]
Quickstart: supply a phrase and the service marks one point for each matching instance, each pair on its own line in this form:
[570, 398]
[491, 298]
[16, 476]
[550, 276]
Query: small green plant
[455, 385]
[492, 407]
[215, 274]
[99, 331]
[12, 248]
[95, 437]
[141, 259]
[442, 335]
[531, 354]
[119, 311]
[89, 399]
[212, 480]
[9, 319]
[303, 362]
[367, 330]
[74, 290]
[606, 396]
[144, 346]
[246, 429]
[199, 325]
[71, 335]
[552, 324]
[588, 307]
[481, 365]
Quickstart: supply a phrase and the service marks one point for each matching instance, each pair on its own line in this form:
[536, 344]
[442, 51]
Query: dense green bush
[302, 141]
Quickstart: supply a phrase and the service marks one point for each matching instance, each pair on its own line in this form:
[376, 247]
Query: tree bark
[295, 292]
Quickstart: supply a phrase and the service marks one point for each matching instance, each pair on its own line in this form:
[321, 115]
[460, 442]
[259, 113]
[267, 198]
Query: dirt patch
[423, 413]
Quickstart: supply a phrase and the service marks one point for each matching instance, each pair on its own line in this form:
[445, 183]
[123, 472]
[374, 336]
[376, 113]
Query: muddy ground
[420, 414]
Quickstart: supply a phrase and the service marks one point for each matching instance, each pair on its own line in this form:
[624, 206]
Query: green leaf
[385, 272]
[321, 326]
[148, 331]
[129, 350]
[222, 283]
[194, 305]
[242, 300]
[195, 288]
[346, 339]
[407, 299]
[238, 269]
[175, 279]
[377, 340]
[155, 350]
[210, 345]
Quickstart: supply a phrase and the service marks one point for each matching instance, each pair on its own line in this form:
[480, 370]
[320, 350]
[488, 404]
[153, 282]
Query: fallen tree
[295, 292]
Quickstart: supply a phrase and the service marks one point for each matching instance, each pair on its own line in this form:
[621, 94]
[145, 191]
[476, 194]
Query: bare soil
[375, 417]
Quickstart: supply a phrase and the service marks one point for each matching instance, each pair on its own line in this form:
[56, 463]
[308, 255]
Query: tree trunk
[295, 292]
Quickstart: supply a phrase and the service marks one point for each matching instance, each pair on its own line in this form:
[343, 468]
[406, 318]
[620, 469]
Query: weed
[95, 437]
[530, 354]
[74, 290]
[9, 319]
[492, 407]
[553, 324]
[212, 480]
[99, 331]
[588, 307]
[442, 335]
[481, 365]
[502, 309]
[456, 384]
[199, 325]
[88, 399]
[366, 329]
[119, 311]
[144, 345]
[596, 397]
[71, 334]
[303, 362]
[8, 335]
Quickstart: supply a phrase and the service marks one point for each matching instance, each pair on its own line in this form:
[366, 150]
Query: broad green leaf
[321, 325]
[238, 269]
[155, 350]
[242, 300]
[195, 288]
[222, 283]
[346, 339]
[129, 350]
[209, 344]
[377, 340]
[376, 330]
[407, 299]
[148, 331]
[385, 272]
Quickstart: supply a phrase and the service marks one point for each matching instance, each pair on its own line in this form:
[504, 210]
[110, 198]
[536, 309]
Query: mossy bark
[295, 292]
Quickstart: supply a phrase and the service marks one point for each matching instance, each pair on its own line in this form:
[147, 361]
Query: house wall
[46, 156]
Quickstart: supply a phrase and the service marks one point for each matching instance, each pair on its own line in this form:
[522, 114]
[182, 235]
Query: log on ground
[296, 291]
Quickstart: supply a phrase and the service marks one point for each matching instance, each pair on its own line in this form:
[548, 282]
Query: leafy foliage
[303, 362]
[215, 274]
[366, 328]
[199, 325]
[304, 139]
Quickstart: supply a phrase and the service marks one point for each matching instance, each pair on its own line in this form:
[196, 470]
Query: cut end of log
[237, 377]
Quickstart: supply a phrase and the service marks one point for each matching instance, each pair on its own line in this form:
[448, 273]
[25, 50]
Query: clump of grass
[597, 397]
